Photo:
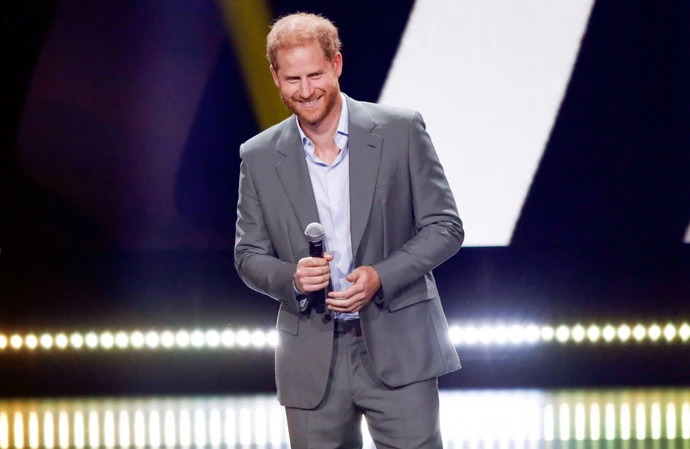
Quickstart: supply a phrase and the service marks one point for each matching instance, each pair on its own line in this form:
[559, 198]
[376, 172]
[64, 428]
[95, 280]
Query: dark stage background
[118, 185]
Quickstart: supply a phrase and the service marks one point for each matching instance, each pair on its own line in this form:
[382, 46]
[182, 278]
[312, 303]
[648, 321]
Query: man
[370, 175]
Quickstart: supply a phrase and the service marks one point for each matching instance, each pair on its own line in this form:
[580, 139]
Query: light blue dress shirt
[331, 185]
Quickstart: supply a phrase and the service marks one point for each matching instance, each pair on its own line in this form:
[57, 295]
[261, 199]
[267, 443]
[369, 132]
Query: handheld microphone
[314, 233]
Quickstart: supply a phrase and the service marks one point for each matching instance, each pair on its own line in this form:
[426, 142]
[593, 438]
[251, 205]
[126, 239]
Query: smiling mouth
[310, 102]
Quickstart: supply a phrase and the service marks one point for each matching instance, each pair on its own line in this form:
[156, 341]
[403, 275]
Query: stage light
[76, 340]
[670, 332]
[272, 338]
[197, 339]
[624, 333]
[167, 339]
[91, 340]
[639, 333]
[547, 333]
[593, 333]
[121, 340]
[485, 335]
[455, 334]
[258, 339]
[182, 339]
[3, 342]
[471, 335]
[227, 337]
[107, 340]
[532, 334]
[516, 334]
[654, 332]
[562, 334]
[31, 341]
[16, 341]
[137, 339]
[244, 338]
[152, 339]
[609, 333]
[61, 341]
[46, 341]
[212, 338]
[578, 333]
[684, 332]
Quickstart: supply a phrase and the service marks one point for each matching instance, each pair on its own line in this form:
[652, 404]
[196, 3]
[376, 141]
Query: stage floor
[579, 419]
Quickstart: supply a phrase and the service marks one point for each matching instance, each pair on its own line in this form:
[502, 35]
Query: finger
[347, 293]
[312, 262]
[314, 287]
[313, 280]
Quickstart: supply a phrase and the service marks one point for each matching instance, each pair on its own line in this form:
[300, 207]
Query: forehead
[302, 57]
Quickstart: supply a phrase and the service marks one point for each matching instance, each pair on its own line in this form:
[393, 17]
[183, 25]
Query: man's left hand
[365, 283]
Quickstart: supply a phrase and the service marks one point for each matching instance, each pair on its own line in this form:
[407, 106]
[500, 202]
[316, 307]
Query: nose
[305, 88]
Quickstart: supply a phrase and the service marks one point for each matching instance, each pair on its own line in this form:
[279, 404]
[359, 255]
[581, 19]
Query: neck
[322, 133]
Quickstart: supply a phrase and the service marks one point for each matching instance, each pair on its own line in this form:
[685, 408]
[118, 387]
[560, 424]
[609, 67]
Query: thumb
[352, 277]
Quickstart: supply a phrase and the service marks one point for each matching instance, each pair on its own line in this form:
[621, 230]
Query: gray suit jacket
[404, 222]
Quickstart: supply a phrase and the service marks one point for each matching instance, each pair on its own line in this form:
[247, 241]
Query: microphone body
[315, 234]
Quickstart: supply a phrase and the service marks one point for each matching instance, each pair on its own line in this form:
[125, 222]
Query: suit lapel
[294, 175]
[365, 156]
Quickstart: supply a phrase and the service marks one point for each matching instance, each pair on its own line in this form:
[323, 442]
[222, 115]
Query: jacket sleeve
[255, 257]
[439, 231]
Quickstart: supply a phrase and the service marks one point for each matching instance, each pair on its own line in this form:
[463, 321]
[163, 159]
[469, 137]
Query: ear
[338, 64]
[275, 76]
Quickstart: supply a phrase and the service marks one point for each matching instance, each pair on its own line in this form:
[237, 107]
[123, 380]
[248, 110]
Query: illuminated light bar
[500, 335]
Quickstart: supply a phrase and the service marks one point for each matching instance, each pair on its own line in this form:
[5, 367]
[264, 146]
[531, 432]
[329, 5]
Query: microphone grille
[314, 232]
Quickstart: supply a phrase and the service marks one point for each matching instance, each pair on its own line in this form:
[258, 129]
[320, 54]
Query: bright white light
[593, 333]
[532, 334]
[624, 333]
[212, 338]
[609, 333]
[76, 340]
[455, 334]
[107, 340]
[244, 338]
[152, 339]
[562, 334]
[46, 341]
[31, 341]
[91, 340]
[670, 332]
[122, 340]
[578, 333]
[167, 339]
[3, 342]
[684, 332]
[182, 339]
[258, 339]
[227, 337]
[137, 339]
[485, 335]
[500, 334]
[654, 332]
[61, 341]
[547, 333]
[639, 333]
[16, 341]
[516, 334]
[471, 335]
[198, 339]
[272, 338]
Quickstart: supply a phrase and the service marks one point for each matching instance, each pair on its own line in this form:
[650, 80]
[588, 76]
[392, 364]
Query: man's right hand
[313, 273]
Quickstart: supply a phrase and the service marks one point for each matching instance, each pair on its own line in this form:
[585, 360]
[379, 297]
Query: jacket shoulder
[266, 140]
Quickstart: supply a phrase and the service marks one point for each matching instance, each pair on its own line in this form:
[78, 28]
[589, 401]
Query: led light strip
[482, 335]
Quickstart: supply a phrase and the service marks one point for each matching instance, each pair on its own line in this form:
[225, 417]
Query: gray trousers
[405, 417]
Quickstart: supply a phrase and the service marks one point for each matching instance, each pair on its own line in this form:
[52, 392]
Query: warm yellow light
[182, 339]
[684, 332]
[46, 341]
[91, 340]
[3, 342]
[624, 333]
[137, 339]
[122, 340]
[76, 340]
[609, 333]
[670, 332]
[639, 333]
[107, 340]
[167, 339]
[61, 341]
[547, 333]
[31, 341]
[16, 341]
[152, 339]
[654, 332]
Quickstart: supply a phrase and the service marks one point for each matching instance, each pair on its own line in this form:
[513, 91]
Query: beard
[315, 115]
